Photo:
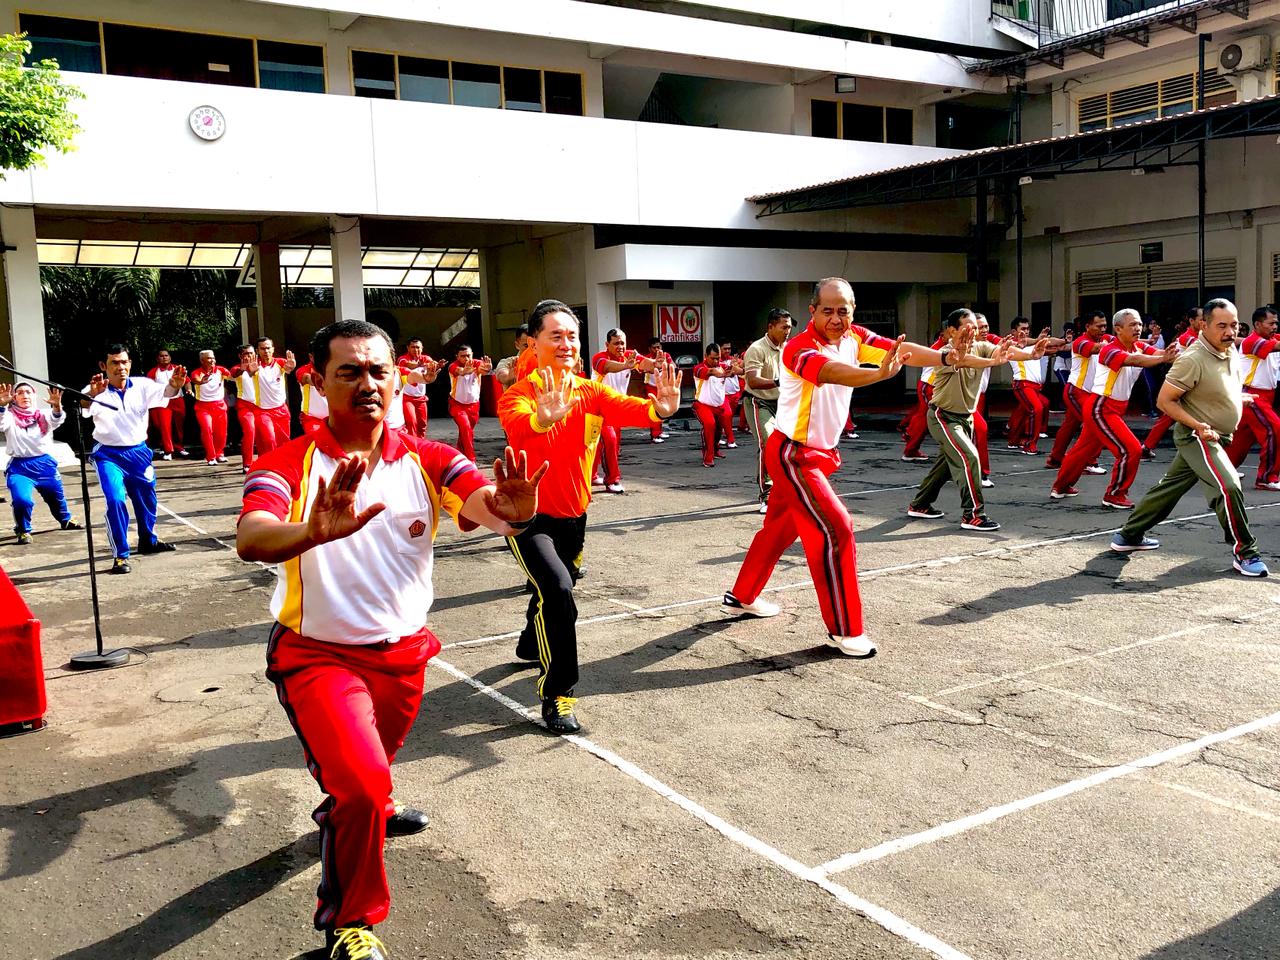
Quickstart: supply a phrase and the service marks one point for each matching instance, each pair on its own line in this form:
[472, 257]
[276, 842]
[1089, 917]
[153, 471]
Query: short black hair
[1095, 315]
[827, 281]
[1262, 312]
[711, 346]
[654, 342]
[417, 340]
[243, 347]
[1217, 303]
[522, 329]
[345, 330]
[114, 348]
[261, 340]
[543, 309]
[615, 332]
[1018, 321]
[776, 314]
[460, 347]
[1192, 313]
[957, 317]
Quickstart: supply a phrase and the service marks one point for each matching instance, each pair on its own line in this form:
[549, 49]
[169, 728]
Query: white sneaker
[731, 446]
[758, 608]
[169, 456]
[211, 463]
[615, 488]
[1044, 436]
[597, 481]
[1096, 471]
[764, 507]
[1266, 486]
[851, 436]
[988, 482]
[664, 435]
[859, 646]
[657, 440]
[1239, 473]
[222, 460]
[722, 443]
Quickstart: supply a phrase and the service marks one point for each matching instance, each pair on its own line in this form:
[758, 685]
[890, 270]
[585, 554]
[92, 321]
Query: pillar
[602, 298]
[270, 318]
[348, 275]
[23, 306]
[1250, 292]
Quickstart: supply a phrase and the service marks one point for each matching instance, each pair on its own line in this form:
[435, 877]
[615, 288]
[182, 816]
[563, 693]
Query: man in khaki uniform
[1203, 394]
[957, 385]
[762, 366]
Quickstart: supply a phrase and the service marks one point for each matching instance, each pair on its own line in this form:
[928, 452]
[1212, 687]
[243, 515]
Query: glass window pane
[823, 119]
[477, 85]
[522, 89]
[374, 74]
[290, 66]
[862, 122]
[426, 81]
[178, 55]
[897, 125]
[73, 43]
[564, 93]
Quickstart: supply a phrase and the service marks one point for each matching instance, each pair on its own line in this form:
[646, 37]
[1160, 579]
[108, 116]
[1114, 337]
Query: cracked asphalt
[165, 812]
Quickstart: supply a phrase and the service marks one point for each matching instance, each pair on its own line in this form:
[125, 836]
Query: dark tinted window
[374, 74]
[477, 85]
[862, 122]
[823, 119]
[426, 81]
[521, 89]
[290, 66]
[73, 43]
[564, 92]
[175, 55]
[897, 125]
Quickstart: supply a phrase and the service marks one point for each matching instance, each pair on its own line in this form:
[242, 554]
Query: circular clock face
[207, 122]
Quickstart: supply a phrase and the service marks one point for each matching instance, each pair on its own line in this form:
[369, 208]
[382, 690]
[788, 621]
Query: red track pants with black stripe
[351, 706]
[918, 425]
[802, 504]
[1104, 426]
[1031, 417]
[1074, 399]
[415, 414]
[1259, 423]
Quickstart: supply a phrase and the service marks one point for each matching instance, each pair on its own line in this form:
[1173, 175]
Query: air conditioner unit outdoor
[1247, 53]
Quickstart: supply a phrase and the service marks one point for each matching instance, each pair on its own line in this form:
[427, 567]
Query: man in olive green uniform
[1203, 394]
[957, 385]
[762, 366]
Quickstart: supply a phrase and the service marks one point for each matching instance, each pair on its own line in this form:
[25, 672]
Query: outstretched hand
[290, 361]
[554, 396]
[55, 399]
[1040, 347]
[1001, 352]
[179, 377]
[333, 514]
[894, 358]
[514, 497]
[666, 396]
[97, 385]
[6, 394]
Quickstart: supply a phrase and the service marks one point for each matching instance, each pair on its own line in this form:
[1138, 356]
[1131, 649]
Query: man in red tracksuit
[464, 397]
[349, 513]
[1195, 323]
[414, 395]
[1084, 358]
[709, 402]
[1120, 364]
[660, 359]
[612, 366]
[1260, 423]
[917, 427]
[209, 381]
[169, 421]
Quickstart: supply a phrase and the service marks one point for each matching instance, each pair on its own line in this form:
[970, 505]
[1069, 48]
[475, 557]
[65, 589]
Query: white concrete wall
[302, 153]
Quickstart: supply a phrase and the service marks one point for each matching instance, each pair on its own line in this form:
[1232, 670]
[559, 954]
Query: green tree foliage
[34, 107]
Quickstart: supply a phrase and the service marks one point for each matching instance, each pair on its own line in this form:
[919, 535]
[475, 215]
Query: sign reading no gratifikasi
[680, 324]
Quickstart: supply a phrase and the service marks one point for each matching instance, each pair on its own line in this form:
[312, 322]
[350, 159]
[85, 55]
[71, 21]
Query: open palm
[554, 397]
[515, 493]
[333, 514]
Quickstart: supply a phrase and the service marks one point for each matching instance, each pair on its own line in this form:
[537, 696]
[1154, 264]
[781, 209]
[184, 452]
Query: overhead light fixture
[1025, 181]
[846, 84]
[1137, 172]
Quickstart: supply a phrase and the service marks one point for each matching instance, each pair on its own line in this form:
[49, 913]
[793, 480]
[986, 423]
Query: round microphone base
[93, 660]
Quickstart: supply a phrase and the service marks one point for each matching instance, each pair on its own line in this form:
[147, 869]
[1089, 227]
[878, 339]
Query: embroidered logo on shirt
[417, 529]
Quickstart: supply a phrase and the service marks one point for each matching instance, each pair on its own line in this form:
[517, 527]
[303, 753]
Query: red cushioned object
[21, 670]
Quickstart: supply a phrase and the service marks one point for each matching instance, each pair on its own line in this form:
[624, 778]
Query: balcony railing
[1055, 20]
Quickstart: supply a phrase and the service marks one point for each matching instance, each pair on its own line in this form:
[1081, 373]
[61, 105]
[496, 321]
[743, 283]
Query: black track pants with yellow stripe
[548, 551]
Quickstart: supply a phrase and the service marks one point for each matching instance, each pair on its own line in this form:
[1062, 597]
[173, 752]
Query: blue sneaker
[1121, 545]
[1250, 566]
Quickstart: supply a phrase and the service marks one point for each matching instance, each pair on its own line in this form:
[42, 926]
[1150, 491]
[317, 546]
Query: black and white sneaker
[758, 608]
[925, 513]
[979, 525]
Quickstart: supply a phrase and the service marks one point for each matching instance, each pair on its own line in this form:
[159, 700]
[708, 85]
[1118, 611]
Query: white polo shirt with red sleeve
[209, 384]
[619, 380]
[811, 412]
[374, 585]
[1111, 378]
[270, 389]
[463, 387]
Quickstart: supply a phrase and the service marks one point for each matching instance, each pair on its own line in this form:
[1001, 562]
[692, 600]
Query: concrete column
[914, 321]
[25, 343]
[493, 340]
[1249, 292]
[270, 320]
[348, 277]
[602, 298]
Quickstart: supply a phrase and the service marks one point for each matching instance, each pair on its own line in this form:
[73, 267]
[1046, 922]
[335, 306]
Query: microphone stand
[99, 658]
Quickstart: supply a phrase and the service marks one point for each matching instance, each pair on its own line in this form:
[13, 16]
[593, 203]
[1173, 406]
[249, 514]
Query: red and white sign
[680, 324]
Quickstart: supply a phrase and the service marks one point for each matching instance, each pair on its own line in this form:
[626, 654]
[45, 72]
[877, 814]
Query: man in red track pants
[1195, 323]
[349, 646]
[820, 368]
[315, 409]
[612, 366]
[659, 358]
[1260, 423]
[209, 381]
[414, 397]
[271, 395]
[1084, 358]
[246, 410]
[464, 397]
[169, 421]
[708, 402]
[1120, 364]
[918, 424]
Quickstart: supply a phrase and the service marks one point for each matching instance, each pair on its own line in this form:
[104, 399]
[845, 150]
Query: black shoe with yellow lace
[557, 713]
[354, 943]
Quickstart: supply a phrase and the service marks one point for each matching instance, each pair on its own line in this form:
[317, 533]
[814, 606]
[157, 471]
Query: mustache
[369, 395]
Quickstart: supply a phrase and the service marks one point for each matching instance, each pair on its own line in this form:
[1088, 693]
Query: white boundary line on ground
[990, 815]
[865, 575]
[873, 912]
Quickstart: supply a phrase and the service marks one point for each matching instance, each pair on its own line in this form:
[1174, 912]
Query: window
[177, 55]
[477, 85]
[522, 89]
[374, 74]
[75, 44]
[564, 93]
[859, 121]
[1146, 101]
[426, 81]
[290, 66]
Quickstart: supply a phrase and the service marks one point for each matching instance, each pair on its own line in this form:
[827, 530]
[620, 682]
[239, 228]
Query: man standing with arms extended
[170, 420]
[120, 452]
[556, 417]
[271, 395]
[1202, 393]
[414, 396]
[1261, 355]
[349, 513]
[209, 381]
[1195, 323]
[465, 375]
[659, 358]
[1084, 360]
[762, 371]
[820, 369]
[612, 366]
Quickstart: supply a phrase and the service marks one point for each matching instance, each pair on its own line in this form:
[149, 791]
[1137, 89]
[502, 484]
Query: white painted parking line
[877, 914]
[955, 827]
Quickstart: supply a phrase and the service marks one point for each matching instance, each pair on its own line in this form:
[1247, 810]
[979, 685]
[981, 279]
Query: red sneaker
[1062, 494]
[1118, 503]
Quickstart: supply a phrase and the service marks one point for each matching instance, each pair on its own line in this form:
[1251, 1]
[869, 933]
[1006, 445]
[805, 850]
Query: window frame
[884, 121]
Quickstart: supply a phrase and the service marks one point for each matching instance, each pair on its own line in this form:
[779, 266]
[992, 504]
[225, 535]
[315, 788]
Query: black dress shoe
[406, 821]
[354, 943]
[557, 713]
[121, 565]
[156, 546]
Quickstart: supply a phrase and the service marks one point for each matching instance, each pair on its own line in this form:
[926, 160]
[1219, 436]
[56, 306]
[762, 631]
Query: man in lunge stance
[1084, 359]
[612, 366]
[820, 368]
[1261, 353]
[1120, 364]
[956, 387]
[1195, 323]
[349, 512]
[659, 358]
[1204, 397]
[762, 370]
[555, 417]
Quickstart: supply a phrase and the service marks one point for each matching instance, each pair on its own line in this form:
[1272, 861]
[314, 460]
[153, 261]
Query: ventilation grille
[1145, 101]
[1160, 276]
[1275, 267]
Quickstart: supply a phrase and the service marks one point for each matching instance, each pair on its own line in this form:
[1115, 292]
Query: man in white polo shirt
[271, 394]
[762, 366]
[120, 452]
[209, 381]
[349, 513]
[464, 396]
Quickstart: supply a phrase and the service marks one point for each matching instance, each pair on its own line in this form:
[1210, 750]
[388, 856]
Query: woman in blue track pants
[32, 469]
